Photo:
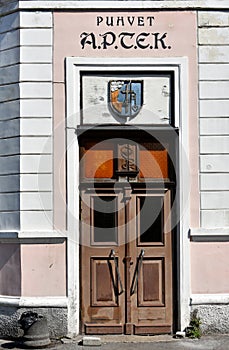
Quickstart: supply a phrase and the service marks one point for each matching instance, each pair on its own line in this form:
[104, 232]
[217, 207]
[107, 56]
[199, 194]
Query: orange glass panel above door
[153, 164]
[98, 160]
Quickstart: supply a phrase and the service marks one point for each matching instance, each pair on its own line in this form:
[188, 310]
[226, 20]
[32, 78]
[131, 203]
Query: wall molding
[224, 4]
[209, 234]
[33, 301]
[17, 235]
[10, 7]
[205, 299]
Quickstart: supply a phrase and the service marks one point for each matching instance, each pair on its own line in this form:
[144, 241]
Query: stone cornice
[14, 5]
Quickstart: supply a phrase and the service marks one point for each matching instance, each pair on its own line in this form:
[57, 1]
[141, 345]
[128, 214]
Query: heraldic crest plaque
[125, 97]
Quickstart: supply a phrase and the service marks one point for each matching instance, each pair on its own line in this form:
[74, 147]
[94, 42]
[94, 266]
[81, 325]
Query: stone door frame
[74, 65]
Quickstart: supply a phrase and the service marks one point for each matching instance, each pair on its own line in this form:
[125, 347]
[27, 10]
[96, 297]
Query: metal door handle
[119, 282]
[137, 272]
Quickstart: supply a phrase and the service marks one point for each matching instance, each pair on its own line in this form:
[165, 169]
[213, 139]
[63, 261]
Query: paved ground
[214, 342]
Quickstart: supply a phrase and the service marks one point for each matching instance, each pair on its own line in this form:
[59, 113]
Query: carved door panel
[126, 262]
[151, 289]
[102, 297]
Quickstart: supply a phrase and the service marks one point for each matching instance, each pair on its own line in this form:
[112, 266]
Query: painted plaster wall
[36, 164]
[26, 121]
[214, 117]
[209, 266]
[10, 269]
[43, 270]
[69, 26]
[9, 123]
[210, 286]
[36, 35]
[209, 260]
[26, 157]
[33, 270]
[213, 106]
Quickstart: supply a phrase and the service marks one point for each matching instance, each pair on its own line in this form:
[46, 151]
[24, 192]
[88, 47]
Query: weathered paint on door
[126, 260]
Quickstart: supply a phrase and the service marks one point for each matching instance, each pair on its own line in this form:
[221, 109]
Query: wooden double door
[126, 260]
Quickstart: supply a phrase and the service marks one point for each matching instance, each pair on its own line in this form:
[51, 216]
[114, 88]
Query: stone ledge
[209, 299]
[91, 341]
[60, 302]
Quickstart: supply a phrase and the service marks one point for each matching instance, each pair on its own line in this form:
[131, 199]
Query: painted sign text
[126, 39]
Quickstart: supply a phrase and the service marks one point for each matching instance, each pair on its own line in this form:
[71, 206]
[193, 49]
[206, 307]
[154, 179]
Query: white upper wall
[9, 122]
[26, 40]
[36, 40]
[32, 84]
[214, 117]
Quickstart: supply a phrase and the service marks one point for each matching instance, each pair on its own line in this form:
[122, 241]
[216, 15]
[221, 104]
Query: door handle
[119, 282]
[137, 272]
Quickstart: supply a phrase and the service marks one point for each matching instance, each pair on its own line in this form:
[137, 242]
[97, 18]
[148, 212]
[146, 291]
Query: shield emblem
[125, 97]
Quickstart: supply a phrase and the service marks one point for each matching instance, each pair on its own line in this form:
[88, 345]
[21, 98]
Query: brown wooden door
[126, 261]
[102, 275]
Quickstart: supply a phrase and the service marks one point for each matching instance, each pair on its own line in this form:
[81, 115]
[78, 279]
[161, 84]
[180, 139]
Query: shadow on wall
[10, 269]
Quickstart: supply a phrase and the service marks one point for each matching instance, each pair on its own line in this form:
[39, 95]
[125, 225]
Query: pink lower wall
[209, 267]
[43, 270]
[10, 269]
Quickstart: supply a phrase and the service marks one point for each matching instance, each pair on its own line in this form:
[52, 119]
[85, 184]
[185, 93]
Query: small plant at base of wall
[194, 331]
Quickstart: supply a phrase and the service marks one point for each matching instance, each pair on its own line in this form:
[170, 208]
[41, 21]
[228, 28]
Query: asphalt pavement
[212, 342]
